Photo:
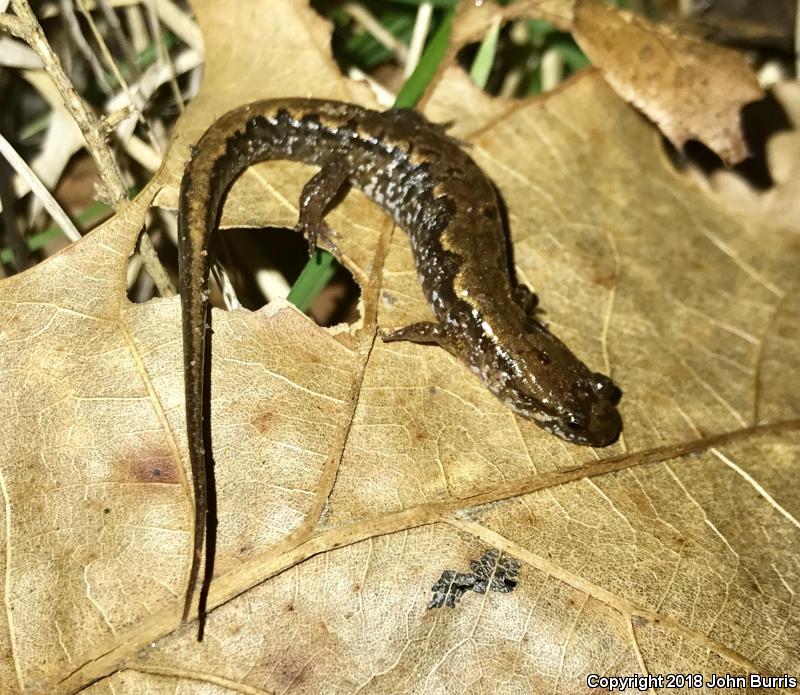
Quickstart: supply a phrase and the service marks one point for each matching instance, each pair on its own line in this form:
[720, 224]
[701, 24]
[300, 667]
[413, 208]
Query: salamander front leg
[422, 332]
[317, 195]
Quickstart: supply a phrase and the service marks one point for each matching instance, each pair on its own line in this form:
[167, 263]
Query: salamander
[450, 211]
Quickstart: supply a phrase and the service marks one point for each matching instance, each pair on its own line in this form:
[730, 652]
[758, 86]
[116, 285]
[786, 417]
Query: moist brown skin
[449, 210]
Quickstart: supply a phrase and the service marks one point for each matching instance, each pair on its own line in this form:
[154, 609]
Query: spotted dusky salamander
[450, 211]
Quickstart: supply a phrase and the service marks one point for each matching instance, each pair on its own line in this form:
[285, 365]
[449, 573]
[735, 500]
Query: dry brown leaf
[351, 474]
[691, 89]
[780, 203]
[473, 18]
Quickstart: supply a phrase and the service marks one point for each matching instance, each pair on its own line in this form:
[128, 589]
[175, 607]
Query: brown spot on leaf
[262, 421]
[604, 279]
[158, 468]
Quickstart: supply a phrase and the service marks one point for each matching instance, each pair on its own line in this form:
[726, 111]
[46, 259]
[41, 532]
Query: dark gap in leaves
[353, 45]
[761, 121]
[245, 252]
[763, 25]
[516, 70]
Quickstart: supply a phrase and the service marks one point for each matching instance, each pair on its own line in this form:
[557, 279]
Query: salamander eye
[606, 388]
[576, 421]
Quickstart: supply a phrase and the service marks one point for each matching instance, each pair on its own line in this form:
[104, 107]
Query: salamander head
[538, 377]
[589, 417]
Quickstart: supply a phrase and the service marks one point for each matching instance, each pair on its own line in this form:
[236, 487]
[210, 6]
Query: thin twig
[75, 32]
[385, 97]
[163, 54]
[113, 187]
[90, 127]
[119, 36]
[112, 119]
[137, 28]
[112, 65]
[367, 20]
[422, 25]
[39, 190]
[154, 267]
[11, 25]
[180, 24]
[152, 78]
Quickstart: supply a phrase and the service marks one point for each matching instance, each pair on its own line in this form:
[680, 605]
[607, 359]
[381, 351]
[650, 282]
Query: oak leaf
[352, 474]
[691, 89]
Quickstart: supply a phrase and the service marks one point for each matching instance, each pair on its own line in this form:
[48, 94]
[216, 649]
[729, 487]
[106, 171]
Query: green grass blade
[415, 85]
[317, 273]
[484, 59]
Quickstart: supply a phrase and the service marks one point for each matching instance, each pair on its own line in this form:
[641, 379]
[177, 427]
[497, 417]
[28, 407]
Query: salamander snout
[583, 412]
[593, 418]
[599, 427]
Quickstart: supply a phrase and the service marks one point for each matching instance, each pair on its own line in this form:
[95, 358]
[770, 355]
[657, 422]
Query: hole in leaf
[522, 58]
[761, 121]
[254, 266]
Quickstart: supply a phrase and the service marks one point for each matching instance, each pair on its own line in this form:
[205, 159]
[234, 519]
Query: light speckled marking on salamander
[449, 210]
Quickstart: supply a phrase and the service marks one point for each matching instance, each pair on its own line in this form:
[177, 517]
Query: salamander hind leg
[422, 332]
[316, 197]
